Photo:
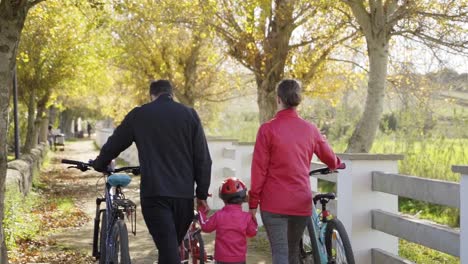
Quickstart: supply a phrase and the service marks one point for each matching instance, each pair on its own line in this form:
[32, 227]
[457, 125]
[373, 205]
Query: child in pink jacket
[232, 225]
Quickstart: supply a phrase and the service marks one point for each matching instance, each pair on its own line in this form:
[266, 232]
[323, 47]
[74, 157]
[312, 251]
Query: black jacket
[171, 145]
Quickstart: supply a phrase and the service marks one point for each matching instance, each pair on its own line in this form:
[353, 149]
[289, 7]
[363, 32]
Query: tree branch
[463, 15]
[299, 21]
[33, 3]
[457, 46]
[303, 43]
[361, 14]
[351, 62]
[225, 99]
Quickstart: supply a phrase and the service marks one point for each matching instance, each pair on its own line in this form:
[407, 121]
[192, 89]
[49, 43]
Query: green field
[431, 158]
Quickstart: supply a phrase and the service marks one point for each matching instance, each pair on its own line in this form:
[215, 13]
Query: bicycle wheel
[197, 251]
[120, 250]
[102, 239]
[309, 248]
[184, 250]
[337, 243]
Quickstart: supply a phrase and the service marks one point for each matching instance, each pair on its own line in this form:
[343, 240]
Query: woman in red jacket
[280, 182]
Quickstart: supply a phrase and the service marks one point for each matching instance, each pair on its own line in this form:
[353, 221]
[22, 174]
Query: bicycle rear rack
[129, 207]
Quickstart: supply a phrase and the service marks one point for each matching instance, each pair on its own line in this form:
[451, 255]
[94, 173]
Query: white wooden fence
[367, 202]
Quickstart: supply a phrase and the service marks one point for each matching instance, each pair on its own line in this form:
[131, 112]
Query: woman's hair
[289, 91]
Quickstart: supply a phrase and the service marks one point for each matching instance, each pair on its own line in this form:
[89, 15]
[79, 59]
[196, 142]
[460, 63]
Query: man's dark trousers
[168, 220]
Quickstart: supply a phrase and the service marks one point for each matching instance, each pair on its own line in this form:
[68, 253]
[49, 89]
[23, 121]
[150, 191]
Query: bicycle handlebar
[326, 170]
[75, 162]
[83, 166]
[135, 169]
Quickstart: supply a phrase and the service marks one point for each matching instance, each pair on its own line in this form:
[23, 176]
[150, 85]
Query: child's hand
[202, 206]
[202, 209]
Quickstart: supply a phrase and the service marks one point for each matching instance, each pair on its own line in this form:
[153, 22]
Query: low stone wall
[20, 172]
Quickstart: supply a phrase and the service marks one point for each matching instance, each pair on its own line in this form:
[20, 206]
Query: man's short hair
[160, 87]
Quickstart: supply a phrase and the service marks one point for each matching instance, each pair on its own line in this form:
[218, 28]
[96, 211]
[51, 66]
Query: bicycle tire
[309, 248]
[332, 226]
[197, 251]
[121, 251]
[102, 239]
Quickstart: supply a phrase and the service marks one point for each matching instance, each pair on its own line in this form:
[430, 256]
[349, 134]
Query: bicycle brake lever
[82, 168]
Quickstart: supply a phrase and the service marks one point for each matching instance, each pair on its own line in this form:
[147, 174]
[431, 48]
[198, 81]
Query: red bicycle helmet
[232, 188]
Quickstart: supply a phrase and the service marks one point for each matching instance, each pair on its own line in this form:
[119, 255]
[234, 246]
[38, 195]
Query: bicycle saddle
[119, 180]
[320, 196]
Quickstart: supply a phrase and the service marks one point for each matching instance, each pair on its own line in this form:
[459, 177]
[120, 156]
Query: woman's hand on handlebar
[326, 170]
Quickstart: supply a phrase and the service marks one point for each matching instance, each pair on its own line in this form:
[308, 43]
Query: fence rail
[422, 189]
[383, 257]
[422, 232]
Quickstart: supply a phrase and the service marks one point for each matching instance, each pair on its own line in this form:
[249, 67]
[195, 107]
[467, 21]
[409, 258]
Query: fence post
[223, 155]
[356, 199]
[463, 170]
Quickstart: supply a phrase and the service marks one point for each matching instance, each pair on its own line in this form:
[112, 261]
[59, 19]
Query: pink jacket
[232, 226]
[281, 164]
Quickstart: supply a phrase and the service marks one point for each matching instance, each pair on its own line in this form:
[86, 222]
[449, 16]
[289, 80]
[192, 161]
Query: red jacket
[281, 163]
[232, 226]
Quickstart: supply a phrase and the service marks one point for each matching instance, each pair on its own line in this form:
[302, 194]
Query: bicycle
[192, 248]
[325, 239]
[110, 242]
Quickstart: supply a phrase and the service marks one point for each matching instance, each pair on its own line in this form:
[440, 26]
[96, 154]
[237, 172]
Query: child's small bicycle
[192, 248]
[325, 240]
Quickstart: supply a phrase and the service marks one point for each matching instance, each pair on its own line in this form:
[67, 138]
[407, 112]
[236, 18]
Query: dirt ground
[84, 187]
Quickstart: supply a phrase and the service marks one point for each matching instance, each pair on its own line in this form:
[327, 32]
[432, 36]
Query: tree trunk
[40, 118]
[364, 134]
[43, 130]
[276, 53]
[266, 99]
[66, 119]
[53, 114]
[30, 138]
[10, 30]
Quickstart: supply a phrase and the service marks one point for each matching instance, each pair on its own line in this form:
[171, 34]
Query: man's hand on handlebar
[99, 166]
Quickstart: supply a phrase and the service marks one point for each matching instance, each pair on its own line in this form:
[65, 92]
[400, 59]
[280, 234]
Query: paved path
[84, 187]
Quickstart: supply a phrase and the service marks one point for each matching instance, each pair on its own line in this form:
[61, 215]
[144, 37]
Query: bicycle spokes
[338, 251]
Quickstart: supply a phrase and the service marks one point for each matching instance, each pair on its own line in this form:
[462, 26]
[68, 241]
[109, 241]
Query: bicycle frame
[319, 228]
[190, 236]
[110, 220]
[113, 213]
[320, 221]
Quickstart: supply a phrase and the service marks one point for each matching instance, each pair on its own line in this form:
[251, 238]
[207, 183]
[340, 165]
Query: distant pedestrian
[50, 137]
[89, 128]
[76, 128]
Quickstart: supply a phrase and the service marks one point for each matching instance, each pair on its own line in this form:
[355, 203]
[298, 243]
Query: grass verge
[30, 219]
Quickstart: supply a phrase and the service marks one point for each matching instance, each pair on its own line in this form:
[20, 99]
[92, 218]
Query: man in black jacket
[173, 156]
